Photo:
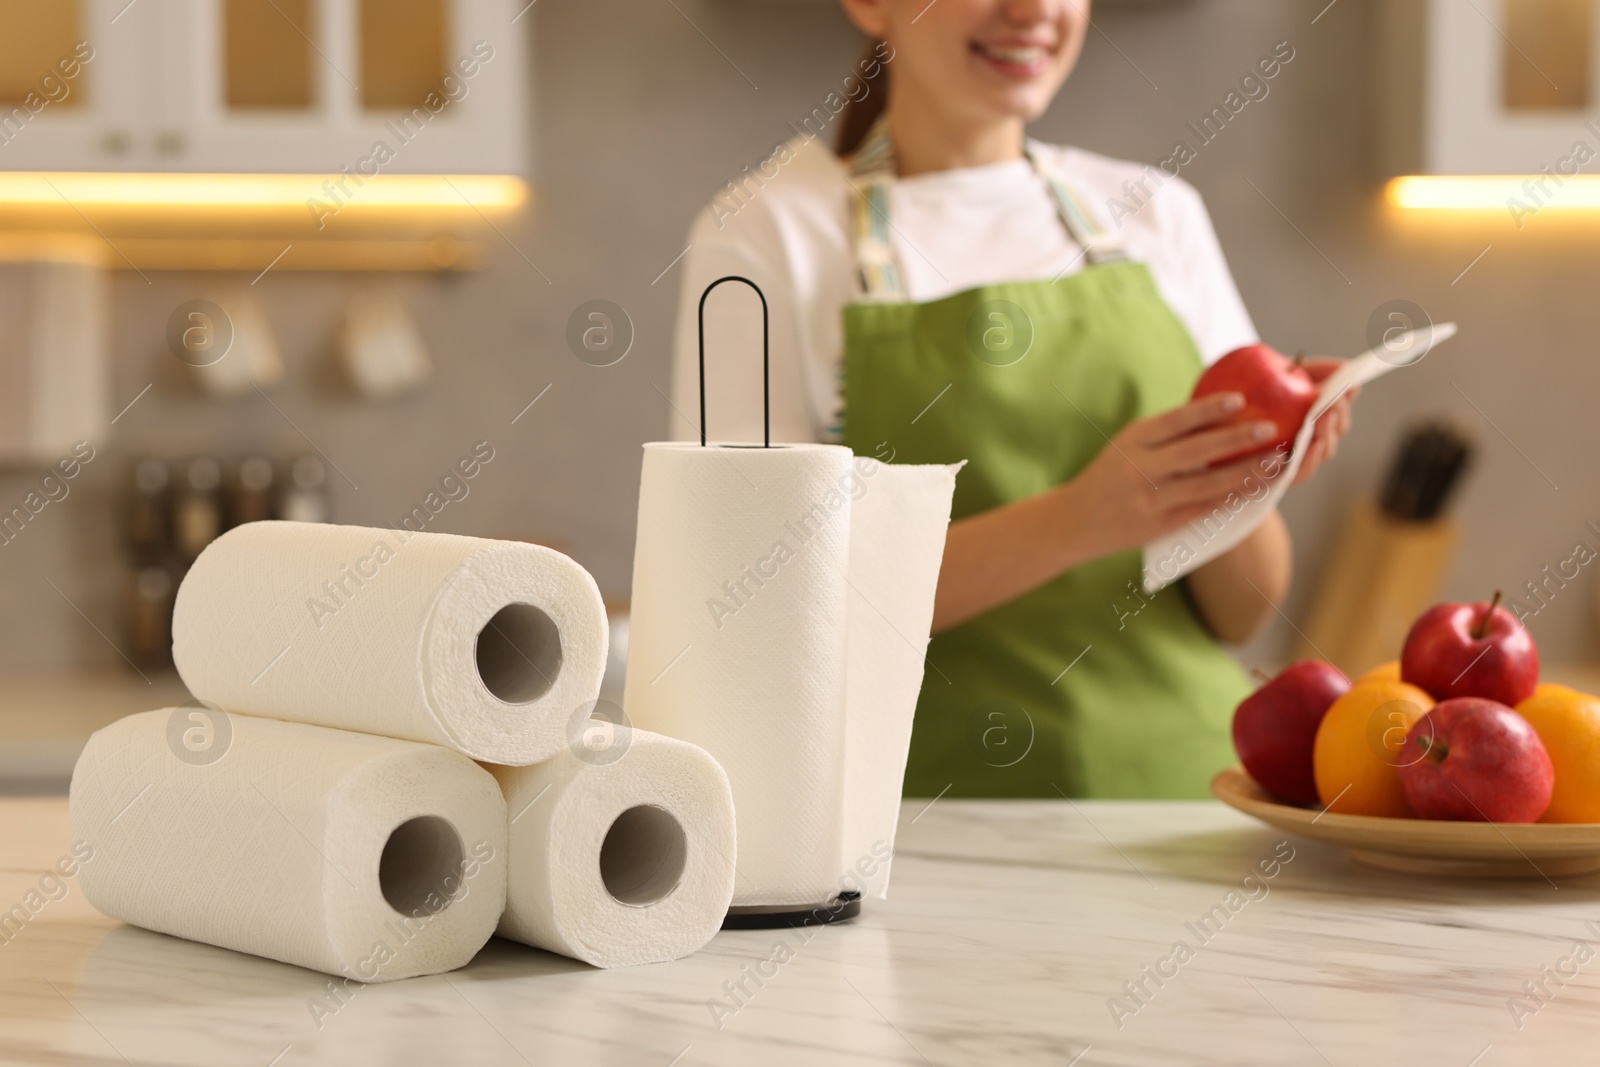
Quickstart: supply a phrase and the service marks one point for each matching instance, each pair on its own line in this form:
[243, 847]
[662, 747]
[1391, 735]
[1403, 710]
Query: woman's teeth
[1020, 55]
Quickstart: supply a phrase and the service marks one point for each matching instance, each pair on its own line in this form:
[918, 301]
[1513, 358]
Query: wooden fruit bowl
[1427, 846]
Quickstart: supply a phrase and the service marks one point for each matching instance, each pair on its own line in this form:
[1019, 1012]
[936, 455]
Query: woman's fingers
[1335, 422]
[1316, 456]
[1319, 367]
[1330, 430]
[1198, 451]
[1212, 487]
[1195, 415]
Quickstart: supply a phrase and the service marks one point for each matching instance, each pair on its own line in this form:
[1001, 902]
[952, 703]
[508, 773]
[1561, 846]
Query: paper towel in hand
[360, 856]
[782, 599]
[1171, 556]
[621, 853]
[487, 647]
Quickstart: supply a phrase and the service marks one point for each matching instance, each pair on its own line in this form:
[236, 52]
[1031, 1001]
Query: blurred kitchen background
[379, 335]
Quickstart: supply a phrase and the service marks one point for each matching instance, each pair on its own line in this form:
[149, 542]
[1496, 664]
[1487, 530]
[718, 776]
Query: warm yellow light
[385, 191]
[1497, 192]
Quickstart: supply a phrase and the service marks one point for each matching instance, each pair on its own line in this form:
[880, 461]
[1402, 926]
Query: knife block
[1382, 574]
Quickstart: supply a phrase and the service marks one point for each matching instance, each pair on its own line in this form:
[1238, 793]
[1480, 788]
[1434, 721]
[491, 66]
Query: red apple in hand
[1475, 760]
[1471, 650]
[1275, 728]
[1275, 390]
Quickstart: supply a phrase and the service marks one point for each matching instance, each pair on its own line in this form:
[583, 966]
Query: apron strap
[1098, 245]
[872, 173]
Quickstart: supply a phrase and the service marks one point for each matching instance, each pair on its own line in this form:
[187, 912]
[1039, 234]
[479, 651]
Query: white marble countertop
[1010, 928]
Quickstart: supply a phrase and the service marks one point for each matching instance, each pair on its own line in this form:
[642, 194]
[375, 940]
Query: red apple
[1471, 650]
[1475, 760]
[1275, 728]
[1275, 390]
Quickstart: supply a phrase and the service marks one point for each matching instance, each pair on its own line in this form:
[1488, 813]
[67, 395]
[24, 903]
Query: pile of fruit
[1458, 728]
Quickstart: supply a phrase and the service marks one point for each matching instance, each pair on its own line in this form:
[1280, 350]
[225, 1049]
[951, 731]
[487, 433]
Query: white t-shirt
[786, 226]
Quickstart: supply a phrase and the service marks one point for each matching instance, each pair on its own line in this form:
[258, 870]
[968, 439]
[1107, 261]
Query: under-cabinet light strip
[151, 190]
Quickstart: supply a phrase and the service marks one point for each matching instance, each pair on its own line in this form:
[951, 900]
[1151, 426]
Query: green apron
[1084, 686]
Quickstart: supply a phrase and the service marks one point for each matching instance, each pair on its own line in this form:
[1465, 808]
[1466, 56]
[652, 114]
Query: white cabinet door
[96, 119]
[467, 115]
[159, 94]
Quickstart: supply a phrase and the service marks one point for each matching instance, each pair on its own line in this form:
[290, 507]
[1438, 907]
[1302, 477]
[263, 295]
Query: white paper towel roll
[487, 647]
[360, 856]
[782, 599]
[619, 855]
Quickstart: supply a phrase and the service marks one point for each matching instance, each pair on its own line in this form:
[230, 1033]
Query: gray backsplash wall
[640, 118]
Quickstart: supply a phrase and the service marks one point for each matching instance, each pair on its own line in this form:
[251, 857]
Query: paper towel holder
[847, 905]
[766, 388]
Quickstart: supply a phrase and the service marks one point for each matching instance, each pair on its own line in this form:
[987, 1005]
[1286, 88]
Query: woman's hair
[859, 114]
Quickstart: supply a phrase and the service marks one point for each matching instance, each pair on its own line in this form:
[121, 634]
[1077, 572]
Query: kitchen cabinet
[265, 86]
[1487, 88]
[67, 104]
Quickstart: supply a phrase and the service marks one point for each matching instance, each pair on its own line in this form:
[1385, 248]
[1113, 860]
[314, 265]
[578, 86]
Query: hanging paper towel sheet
[620, 853]
[782, 600]
[359, 856]
[487, 647]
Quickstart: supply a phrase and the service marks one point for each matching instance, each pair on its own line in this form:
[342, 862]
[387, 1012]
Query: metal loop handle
[766, 389]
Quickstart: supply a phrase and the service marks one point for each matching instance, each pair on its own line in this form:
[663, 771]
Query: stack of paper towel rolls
[324, 808]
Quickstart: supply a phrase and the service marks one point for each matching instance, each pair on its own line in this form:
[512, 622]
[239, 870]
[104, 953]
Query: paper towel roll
[620, 854]
[487, 647]
[360, 856]
[752, 599]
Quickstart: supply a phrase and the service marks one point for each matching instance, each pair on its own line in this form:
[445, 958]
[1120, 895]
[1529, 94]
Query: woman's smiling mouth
[1019, 60]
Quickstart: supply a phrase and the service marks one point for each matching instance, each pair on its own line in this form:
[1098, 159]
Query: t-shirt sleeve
[747, 246]
[1205, 297]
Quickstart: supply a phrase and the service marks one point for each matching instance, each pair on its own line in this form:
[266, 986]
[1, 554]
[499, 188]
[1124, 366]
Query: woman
[944, 289]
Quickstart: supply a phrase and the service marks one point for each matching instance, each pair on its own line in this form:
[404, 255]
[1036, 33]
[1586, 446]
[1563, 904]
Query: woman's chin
[1010, 97]
[1026, 106]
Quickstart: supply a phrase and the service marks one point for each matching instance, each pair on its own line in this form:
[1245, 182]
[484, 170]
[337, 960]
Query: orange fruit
[1388, 672]
[1357, 753]
[1568, 722]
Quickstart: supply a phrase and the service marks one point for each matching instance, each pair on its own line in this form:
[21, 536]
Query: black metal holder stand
[766, 388]
[846, 905]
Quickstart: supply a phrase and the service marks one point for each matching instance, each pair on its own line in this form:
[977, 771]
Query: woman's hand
[1156, 475]
[1150, 479]
[1332, 425]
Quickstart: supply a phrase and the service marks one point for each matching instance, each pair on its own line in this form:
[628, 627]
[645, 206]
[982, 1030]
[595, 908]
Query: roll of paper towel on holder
[488, 647]
[364, 857]
[782, 601]
[620, 853]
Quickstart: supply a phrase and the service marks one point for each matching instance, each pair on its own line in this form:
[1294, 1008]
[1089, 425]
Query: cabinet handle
[170, 143]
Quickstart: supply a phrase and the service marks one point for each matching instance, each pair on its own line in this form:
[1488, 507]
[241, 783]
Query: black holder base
[846, 905]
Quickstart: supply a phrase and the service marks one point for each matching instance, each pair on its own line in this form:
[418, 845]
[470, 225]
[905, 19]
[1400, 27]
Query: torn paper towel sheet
[1170, 557]
[487, 647]
[359, 856]
[782, 599]
[620, 853]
